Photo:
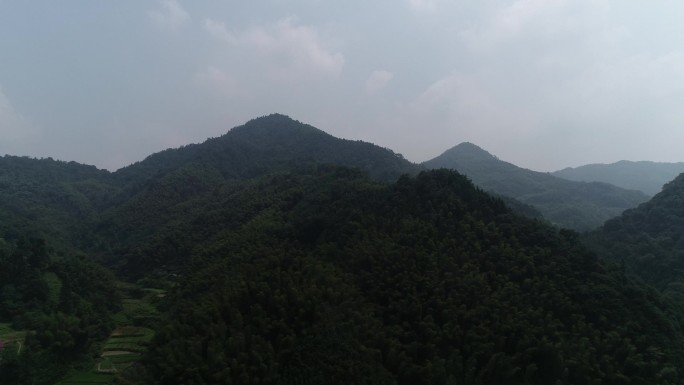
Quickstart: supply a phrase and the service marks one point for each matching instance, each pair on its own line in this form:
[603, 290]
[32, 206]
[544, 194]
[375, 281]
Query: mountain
[332, 278]
[648, 177]
[293, 257]
[577, 205]
[79, 206]
[154, 190]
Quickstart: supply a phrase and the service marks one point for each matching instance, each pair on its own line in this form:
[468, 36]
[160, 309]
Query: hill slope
[335, 279]
[576, 205]
[52, 199]
[649, 240]
[163, 187]
[648, 177]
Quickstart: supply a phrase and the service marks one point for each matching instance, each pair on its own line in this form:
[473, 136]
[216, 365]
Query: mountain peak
[463, 151]
[274, 117]
[470, 149]
[273, 143]
[276, 130]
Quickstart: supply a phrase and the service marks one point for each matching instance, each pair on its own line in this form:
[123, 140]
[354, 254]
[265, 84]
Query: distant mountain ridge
[648, 177]
[576, 205]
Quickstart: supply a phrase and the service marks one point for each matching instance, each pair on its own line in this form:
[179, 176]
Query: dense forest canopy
[428, 280]
[649, 240]
[280, 254]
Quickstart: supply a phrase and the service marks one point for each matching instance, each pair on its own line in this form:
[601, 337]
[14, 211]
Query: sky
[543, 84]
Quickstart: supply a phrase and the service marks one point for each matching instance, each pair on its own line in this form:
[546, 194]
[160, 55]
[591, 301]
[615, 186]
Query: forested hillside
[336, 279]
[576, 205]
[648, 177]
[649, 241]
[279, 254]
[51, 199]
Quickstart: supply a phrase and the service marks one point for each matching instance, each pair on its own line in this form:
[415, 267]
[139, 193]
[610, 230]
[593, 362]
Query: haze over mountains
[288, 256]
[577, 205]
[277, 142]
[648, 177]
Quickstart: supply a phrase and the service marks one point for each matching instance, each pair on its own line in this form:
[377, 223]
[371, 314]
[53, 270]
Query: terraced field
[124, 347]
[127, 342]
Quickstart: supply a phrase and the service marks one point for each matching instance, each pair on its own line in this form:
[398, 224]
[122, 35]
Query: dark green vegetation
[576, 205]
[649, 241]
[126, 343]
[648, 177]
[62, 304]
[60, 201]
[429, 280]
[281, 255]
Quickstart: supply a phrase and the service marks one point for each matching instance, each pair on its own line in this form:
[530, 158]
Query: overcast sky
[543, 84]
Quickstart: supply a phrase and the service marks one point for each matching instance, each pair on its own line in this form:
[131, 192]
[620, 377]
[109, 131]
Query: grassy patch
[11, 337]
[138, 312]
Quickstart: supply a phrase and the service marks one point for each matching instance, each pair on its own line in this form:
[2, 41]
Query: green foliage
[53, 200]
[63, 305]
[340, 280]
[648, 242]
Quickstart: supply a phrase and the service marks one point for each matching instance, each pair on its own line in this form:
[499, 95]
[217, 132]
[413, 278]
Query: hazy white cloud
[219, 31]
[286, 43]
[378, 80]
[462, 105]
[424, 5]
[12, 124]
[170, 14]
[534, 23]
[643, 77]
[218, 81]
[571, 81]
[15, 130]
